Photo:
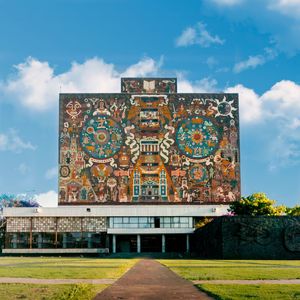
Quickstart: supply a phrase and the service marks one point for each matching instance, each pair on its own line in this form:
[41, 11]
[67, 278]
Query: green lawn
[50, 267]
[234, 269]
[246, 292]
[49, 292]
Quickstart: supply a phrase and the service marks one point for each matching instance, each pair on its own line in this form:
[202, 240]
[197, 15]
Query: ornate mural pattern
[149, 147]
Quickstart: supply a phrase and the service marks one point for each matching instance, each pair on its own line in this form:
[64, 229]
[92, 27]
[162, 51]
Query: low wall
[249, 238]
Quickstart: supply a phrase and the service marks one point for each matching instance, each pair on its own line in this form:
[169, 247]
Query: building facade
[136, 169]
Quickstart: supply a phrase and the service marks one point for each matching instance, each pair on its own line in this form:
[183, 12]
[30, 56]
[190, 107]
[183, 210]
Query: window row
[22, 240]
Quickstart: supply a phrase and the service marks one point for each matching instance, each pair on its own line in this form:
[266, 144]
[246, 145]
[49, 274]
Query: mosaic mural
[149, 144]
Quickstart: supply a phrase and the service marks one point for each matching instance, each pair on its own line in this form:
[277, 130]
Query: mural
[149, 145]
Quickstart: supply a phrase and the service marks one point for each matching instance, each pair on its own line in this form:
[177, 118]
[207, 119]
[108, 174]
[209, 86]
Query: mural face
[149, 147]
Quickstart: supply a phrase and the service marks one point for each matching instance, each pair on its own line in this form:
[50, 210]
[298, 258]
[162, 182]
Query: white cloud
[36, 86]
[48, 199]
[278, 111]
[198, 35]
[51, 173]
[287, 7]
[283, 99]
[249, 102]
[205, 85]
[228, 2]
[11, 141]
[253, 61]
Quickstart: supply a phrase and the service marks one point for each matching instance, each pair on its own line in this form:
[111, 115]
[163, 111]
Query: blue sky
[247, 46]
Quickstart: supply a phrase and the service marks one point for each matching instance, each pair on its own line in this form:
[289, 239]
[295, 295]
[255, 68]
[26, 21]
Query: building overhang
[119, 211]
[150, 230]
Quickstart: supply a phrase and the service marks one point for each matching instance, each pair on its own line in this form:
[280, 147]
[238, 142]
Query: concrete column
[138, 242]
[40, 240]
[187, 243]
[163, 243]
[14, 240]
[90, 241]
[64, 242]
[114, 244]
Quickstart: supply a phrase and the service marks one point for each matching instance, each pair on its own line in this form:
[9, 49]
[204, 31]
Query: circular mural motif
[197, 137]
[64, 171]
[101, 137]
[224, 108]
[198, 173]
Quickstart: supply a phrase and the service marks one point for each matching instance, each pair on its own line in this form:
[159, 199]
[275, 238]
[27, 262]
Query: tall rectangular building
[148, 144]
[137, 169]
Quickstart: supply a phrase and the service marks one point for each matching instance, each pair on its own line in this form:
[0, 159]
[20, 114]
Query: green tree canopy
[294, 211]
[257, 204]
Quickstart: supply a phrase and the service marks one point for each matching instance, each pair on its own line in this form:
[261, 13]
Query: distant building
[135, 170]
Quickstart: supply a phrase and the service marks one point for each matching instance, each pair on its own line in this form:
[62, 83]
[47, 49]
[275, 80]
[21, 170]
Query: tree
[22, 200]
[294, 211]
[257, 204]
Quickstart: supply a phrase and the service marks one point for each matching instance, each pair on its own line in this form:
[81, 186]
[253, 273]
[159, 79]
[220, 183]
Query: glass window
[133, 220]
[143, 220]
[118, 220]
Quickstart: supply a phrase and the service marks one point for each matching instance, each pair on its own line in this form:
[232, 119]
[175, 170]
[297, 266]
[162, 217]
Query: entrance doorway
[175, 242]
[151, 243]
[126, 243]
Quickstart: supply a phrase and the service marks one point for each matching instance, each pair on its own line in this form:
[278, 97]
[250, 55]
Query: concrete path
[262, 281]
[54, 281]
[149, 280]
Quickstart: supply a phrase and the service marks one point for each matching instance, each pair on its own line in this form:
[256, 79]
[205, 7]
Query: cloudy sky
[247, 46]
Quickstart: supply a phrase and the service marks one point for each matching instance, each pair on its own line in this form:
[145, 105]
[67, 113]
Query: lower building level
[104, 229]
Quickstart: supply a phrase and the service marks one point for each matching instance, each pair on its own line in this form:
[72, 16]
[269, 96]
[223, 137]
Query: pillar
[14, 240]
[187, 243]
[114, 244]
[90, 241]
[163, 243]
[64, 242]
[40, 240]
[138, 242]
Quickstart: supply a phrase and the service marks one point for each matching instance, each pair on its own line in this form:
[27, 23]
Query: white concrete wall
[119, 210]
[150, 230]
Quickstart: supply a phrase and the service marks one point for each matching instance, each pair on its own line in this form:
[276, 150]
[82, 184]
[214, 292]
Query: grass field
[49, 292]
[246, 292]
[97, 268]
[241, 269]
[48, 267]
[234, 269]
[66, 268]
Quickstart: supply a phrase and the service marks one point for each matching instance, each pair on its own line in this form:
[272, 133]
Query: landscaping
[49, 292]
[106, 268]
[51, 267]
[58, 268]
[241, 270]
[246, 292]
[234, 269]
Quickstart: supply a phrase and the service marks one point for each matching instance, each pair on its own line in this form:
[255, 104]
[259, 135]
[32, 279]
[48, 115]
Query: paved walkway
[54, 281]
[112, 281]
[149, 280]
